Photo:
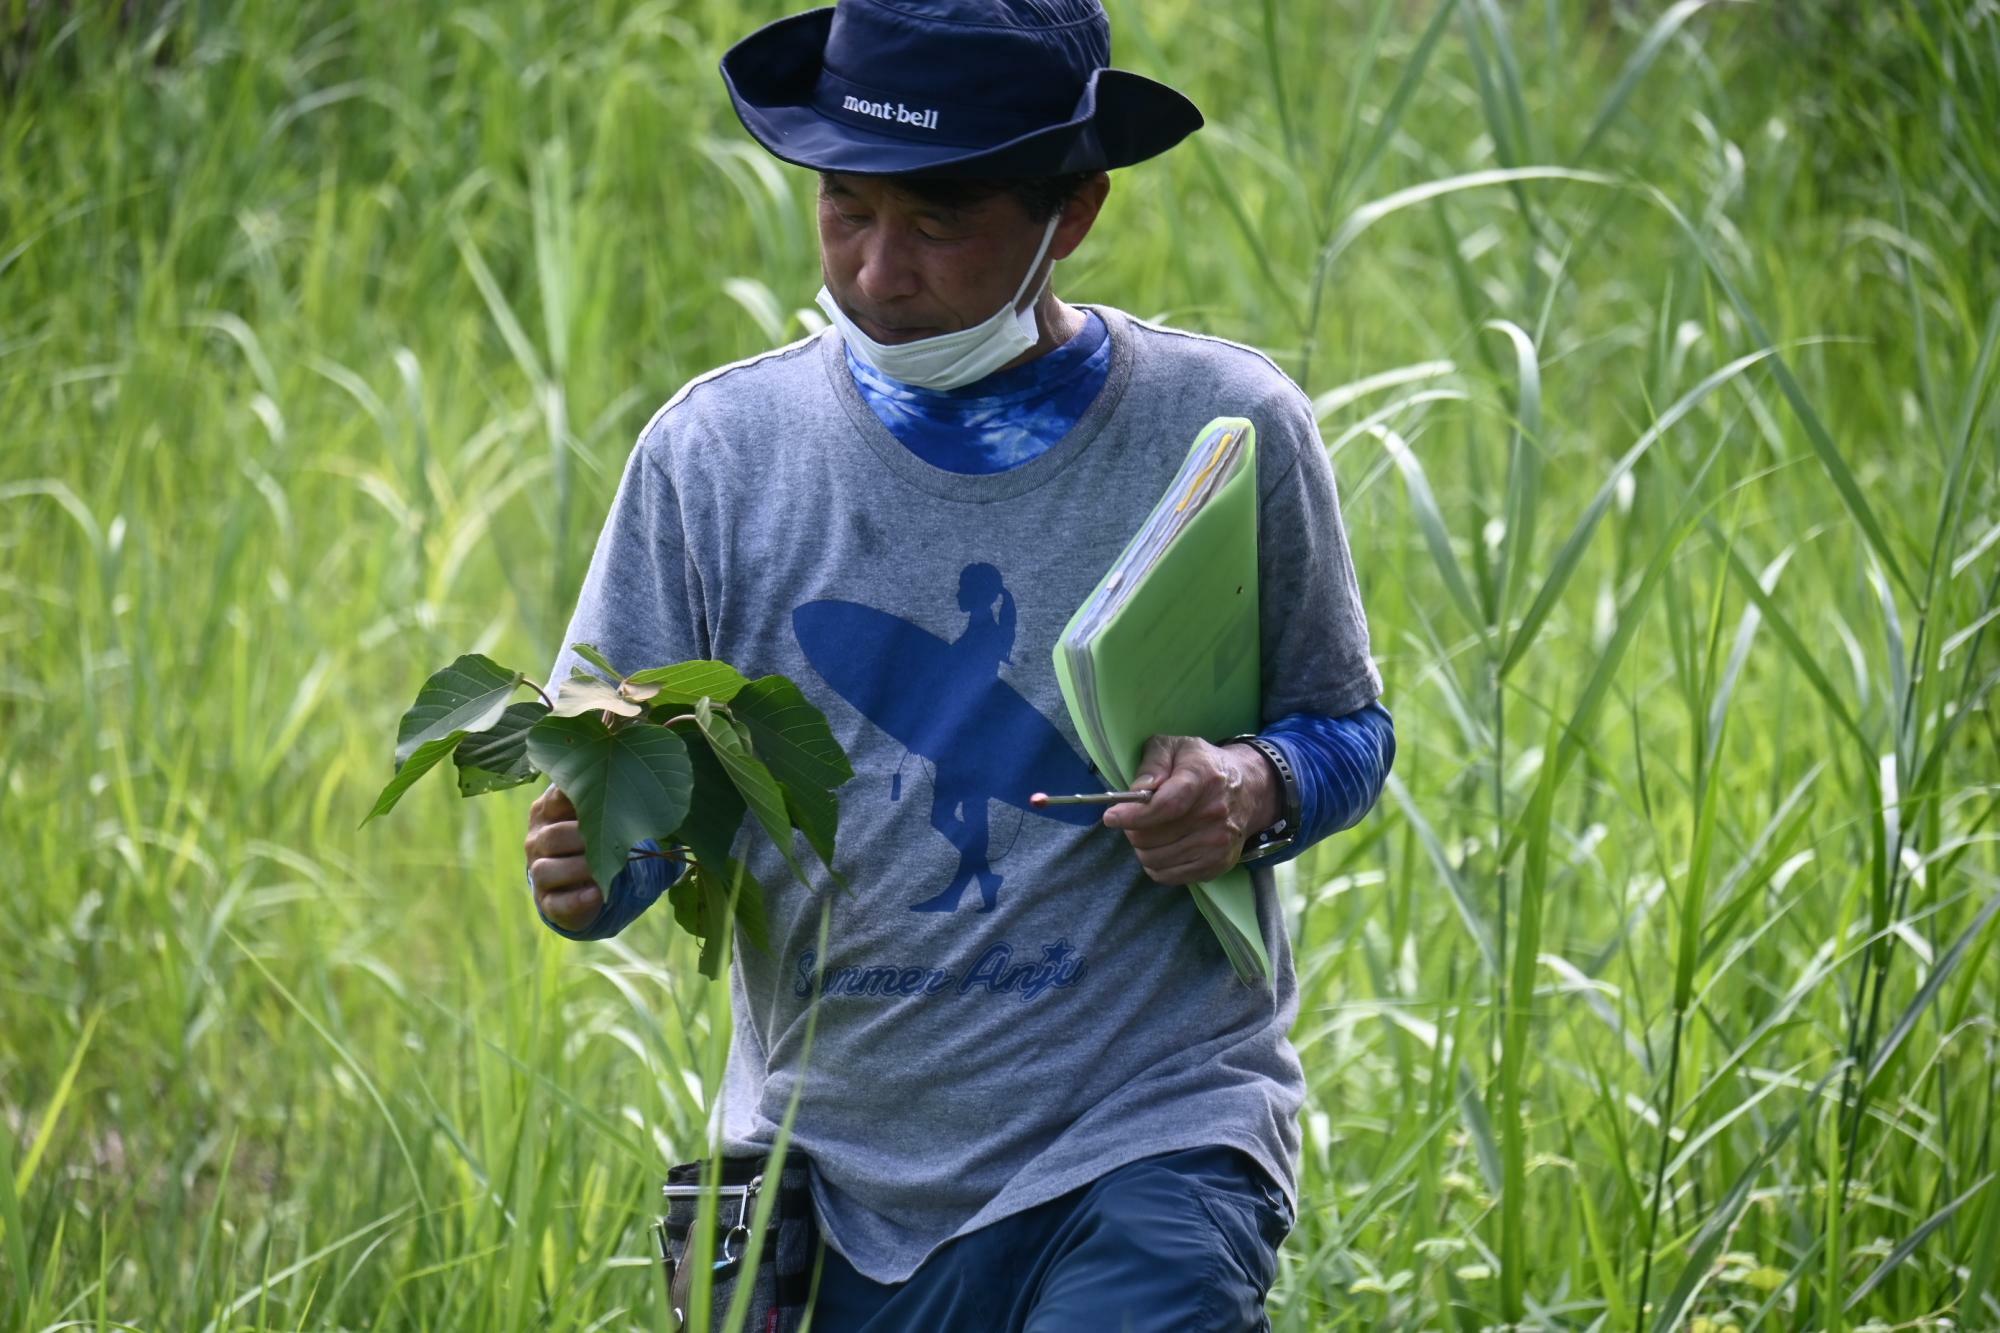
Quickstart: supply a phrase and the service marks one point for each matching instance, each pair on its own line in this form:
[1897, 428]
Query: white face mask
[948, 360]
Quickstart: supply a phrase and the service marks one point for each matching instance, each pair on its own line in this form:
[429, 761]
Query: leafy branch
[677, 754]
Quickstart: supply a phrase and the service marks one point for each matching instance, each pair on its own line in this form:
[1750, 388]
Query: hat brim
[1121, 118]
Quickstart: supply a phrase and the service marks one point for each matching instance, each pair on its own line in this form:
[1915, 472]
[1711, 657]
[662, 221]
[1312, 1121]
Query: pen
[1042, 798]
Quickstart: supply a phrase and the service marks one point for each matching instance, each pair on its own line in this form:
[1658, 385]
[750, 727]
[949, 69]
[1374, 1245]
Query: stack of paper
[1167, 645]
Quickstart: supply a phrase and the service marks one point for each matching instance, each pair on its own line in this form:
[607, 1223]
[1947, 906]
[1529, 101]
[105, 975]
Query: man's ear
[1079, 215]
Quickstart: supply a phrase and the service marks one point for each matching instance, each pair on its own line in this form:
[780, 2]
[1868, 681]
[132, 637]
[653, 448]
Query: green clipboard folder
[1167, 644]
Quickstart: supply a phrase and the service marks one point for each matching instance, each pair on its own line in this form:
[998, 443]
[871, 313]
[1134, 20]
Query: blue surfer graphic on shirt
[945, 702]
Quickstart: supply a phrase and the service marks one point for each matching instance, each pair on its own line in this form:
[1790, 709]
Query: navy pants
[1181, 1240]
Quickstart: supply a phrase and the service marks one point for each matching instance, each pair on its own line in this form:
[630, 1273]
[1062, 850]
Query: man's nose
[886, 273]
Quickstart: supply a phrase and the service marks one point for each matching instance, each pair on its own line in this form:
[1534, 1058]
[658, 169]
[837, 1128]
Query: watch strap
[1281, 834]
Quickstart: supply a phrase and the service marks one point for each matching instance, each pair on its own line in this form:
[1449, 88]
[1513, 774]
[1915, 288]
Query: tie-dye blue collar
[998, 422]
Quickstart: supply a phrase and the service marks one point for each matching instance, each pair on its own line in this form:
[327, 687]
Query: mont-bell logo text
[896, 111]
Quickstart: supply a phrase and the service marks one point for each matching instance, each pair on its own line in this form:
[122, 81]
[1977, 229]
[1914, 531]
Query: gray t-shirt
[970, 1062]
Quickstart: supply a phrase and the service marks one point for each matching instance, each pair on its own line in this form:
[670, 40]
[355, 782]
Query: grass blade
[1571, 554]
[1722, 1218]
[1909, 1244]
[1635, 68]
[1430, 521]
[1524, 466]
[52, 1113]
[1817, 434]
[1369, 214]
[1927, 994]
[1468, 911]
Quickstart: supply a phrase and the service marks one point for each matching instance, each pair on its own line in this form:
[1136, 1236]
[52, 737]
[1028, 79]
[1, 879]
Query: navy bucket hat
[1003, 89]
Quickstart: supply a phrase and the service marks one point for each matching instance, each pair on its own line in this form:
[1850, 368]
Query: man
[1037, 1098]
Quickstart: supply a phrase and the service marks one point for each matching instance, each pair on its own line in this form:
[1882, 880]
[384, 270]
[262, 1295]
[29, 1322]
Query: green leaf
[497, 758]
[697, 911]
[426, 758]
[700, 900]
[587, 694]
[760, 790]
[594, 655]
[715, 811]
[715, 939]
[816, 811]
[714, 815]
[468, 695]
[685, 682]
[790, 734]
[793, 738]
[685, 897]
[627, 785]
[749, 900]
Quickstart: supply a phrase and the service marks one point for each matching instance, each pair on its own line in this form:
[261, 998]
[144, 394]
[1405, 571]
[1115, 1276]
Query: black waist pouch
[781, 1283]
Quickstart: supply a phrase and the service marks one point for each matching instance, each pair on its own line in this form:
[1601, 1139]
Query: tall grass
[1656, 352]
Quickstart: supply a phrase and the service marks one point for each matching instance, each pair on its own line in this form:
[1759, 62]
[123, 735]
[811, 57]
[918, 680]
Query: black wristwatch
[1280, 835]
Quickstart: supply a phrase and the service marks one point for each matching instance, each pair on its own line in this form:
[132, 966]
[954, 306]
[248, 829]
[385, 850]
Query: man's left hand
[1207, 799]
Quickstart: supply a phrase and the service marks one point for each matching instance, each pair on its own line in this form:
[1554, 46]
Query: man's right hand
[564, 889]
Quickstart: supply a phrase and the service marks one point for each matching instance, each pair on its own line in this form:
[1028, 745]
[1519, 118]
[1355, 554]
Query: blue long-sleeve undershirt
[1341, 764]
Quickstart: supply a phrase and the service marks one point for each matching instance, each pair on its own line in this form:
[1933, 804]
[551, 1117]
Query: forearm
[1340, 762]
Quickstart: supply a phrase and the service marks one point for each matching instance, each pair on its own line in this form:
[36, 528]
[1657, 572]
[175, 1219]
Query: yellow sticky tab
[1194, 486]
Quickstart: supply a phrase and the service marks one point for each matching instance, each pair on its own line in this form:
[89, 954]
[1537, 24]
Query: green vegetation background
[1656, 351]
